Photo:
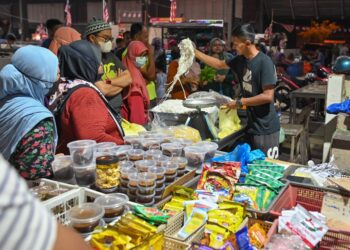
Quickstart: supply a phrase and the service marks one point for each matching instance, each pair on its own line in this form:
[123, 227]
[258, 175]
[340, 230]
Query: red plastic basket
[310, 198]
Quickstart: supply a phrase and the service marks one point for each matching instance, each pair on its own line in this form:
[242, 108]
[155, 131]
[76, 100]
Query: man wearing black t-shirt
[115, 77]
[257, 76]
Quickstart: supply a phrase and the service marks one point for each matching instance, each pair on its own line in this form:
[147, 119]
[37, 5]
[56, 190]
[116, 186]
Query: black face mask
[54, 88]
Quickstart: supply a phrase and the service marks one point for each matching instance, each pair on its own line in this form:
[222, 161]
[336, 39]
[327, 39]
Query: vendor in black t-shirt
[115, 76]
[256, 74]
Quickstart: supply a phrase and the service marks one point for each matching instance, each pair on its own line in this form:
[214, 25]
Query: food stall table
[314, 90]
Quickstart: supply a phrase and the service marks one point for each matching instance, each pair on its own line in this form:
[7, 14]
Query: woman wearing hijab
[27, 129]
[136, 98]
[63, 36]
[83, 111]
[222, 82]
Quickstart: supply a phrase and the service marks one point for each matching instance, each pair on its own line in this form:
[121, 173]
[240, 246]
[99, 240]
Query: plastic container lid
[107, 160]
[136, 152]
[61, 161]
[146, 179]
[195, 150]
[211, 146]
[182, 161]
[144, 165]
[122, 149]
[86, 213]
[159, 171]
[105, 146]
[160, 158]
[127, 164]
[151, 143]
[183, 142]
[170, 167]
[126, 171]
[80, 144]
[133, 179]
[112, 200]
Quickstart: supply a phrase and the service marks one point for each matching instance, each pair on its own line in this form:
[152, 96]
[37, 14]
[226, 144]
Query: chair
[299, 133]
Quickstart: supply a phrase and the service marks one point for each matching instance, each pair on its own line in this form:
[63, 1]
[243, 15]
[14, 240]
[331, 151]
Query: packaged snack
[198, 204]
[151, 214]
[271, 183]
[226, 246]
[186, 193]
[110, 239]
[194, 222]
[257, 236]
[217, 235]
[155, 242]
[220, 178]
[249, 194]
[225, 219]
[242, 239]
[269, 197]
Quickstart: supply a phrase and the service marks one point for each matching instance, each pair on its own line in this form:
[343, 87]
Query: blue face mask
[141, 61]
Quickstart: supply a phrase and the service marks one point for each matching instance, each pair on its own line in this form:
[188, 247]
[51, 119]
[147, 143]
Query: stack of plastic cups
[182, 163]
[146, 188]
[170, 171]
[83, 157]
[62, 168]
[132, 185]
[152, 152]
[125, 171]
[160, 181]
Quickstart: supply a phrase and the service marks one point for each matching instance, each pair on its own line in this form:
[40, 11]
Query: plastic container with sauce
[150, 143]
[144, 165]
[63, 170]
[85, 217]
[170, 167]
[152, 152]
[113, 204]
[107, 173]
[181, 172]
[160, 190]
[134, 141]
[172, 149]
[105, 147]
[211, 148]
[144, 198]
[181, 161]
[136, 154]
[158, 171]
[160, 159]
[170, 178]
[133, 180]
[146, 179]
[160, 183]
[195, 156]
[146, 190]
[122, 152]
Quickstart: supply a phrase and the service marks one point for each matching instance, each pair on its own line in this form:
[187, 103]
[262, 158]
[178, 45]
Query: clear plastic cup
[158, 171]
[172, 149]
[160, 159]
[63, 170]
[134, 140]
[144, 165]
[146, 179]
[133, 180]
[136, 154]
[150, 153]
[147, 134]
[82, 152]
[195, 156]
[183, 142]
[121, 152]
[211, 148]
[105, 146]
[85, 176]
[150, 143]
[85, 217]
[181, 161]
[113, 205]
[126, 164]
[170, 167]
[126, 171]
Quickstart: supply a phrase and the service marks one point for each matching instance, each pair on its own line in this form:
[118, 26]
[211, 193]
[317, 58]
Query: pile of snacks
[261, 187]
[46, 191]
[127, 233]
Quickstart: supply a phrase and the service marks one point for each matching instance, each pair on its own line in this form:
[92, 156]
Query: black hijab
[80, 60]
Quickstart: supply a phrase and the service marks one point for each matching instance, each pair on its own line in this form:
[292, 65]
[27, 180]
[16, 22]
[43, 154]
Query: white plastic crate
[54, 184]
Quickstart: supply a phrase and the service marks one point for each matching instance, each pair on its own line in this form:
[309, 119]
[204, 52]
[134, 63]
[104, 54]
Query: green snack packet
[271, 183]
[250, 194]
[275, 168]
[151, 214]
[266, 174]
[269, 196]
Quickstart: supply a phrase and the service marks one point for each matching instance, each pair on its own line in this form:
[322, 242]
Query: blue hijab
[23, 86]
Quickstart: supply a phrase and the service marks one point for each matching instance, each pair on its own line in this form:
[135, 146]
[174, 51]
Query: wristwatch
[239, 103]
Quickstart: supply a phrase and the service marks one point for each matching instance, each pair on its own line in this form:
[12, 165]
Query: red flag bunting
[68, 14]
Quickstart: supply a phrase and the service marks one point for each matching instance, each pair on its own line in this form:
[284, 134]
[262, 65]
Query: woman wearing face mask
[63, 36]
[27, 129]
[99, 33]
[83, 111]
[136, 99]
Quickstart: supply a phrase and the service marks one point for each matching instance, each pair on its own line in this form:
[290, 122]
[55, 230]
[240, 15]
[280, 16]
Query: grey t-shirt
[260, 71]
[111, 64]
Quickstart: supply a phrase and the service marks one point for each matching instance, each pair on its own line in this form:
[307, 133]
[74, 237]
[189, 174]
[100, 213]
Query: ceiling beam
[316, 9]
[292, 8]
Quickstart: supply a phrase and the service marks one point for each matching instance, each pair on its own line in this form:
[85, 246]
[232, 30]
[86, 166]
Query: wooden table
[314, 90]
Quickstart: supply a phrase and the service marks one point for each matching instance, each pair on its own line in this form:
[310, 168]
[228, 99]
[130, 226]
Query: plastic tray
[311, 199]
[172, 244]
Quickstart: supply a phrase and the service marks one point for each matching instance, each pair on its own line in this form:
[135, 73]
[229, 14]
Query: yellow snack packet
[217, 235]
[110, 239]
[225, 219]
[155, 242]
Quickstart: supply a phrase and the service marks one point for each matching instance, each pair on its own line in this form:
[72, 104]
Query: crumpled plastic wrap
[286, 242]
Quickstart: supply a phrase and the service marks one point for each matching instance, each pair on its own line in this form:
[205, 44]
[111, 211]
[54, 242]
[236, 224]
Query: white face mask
[105, 47]
[141, 61]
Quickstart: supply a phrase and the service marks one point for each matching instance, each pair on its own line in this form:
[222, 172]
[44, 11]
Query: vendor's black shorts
[269, 144]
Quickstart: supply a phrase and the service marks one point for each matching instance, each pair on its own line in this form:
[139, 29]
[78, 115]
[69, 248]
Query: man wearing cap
[100, 33]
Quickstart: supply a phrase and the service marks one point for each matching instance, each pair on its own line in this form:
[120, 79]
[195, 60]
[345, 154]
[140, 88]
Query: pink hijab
[63, 36]
[138, 85]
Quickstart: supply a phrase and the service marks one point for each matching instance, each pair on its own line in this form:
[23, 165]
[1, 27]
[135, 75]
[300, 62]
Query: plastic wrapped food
[186, 132]
[150, 214]
[252, 195]
[193, 223]
[257, 236]
[229, 122]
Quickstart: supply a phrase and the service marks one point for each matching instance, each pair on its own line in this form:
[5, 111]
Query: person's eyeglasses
[107, 39]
